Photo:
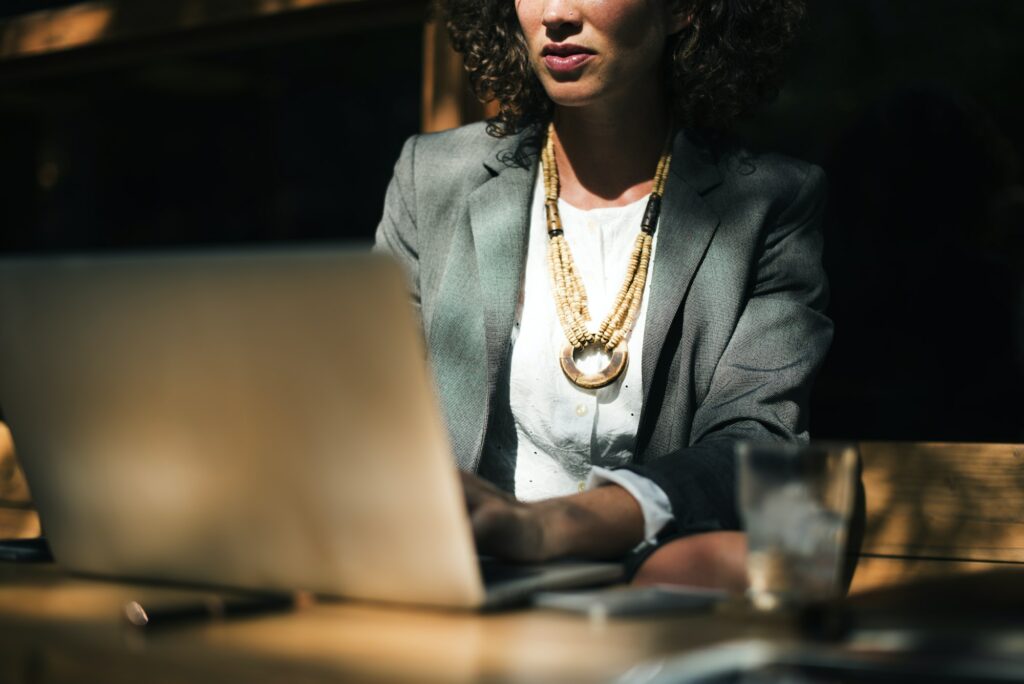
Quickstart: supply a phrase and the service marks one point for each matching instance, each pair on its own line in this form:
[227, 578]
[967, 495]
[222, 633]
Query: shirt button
[581, 410]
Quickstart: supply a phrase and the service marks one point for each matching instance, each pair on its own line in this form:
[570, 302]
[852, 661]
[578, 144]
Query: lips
[564, 58]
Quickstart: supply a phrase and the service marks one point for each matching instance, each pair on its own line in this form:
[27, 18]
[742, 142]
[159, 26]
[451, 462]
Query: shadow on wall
[924, 238]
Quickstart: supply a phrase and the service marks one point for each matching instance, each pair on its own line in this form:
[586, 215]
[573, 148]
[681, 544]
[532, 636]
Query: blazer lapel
[479, 293]
[685, 230]
[499, 215]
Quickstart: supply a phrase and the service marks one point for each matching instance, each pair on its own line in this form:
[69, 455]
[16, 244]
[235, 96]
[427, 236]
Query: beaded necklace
[570, 295]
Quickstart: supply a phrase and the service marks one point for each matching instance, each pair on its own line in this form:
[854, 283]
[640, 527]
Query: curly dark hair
[725, 63]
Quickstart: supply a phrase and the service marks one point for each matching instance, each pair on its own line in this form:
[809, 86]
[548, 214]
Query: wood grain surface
[940, 510]
[948, 501]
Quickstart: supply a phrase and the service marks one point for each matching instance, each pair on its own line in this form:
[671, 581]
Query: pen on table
[154, 615]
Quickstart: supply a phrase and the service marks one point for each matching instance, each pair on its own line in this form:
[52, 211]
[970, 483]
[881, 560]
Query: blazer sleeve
[761, 385]
[397, 234]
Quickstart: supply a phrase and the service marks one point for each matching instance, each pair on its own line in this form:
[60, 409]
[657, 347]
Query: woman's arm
[605, 522]
[601, 523]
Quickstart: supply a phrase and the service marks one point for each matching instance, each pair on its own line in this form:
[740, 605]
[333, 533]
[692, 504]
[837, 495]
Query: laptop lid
[261, 420]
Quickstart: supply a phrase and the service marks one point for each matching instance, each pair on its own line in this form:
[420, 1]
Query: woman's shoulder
[439, 169]
[451, 152]
[750, 188]
[771, 175]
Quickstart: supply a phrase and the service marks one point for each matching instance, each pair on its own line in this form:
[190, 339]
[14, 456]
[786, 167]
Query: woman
[596, 358]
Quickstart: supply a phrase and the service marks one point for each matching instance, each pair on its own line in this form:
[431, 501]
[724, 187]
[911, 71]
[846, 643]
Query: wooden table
[60, 628]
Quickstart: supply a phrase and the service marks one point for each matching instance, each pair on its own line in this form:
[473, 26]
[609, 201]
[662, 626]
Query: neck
[607, 156]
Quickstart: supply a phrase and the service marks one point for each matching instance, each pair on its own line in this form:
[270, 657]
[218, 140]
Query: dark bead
[651, 215]
[555, 233]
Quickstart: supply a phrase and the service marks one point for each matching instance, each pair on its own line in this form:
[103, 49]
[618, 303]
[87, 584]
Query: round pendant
[605, 376]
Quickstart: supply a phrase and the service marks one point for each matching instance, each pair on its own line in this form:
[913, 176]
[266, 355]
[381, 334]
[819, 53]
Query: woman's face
[587, 51]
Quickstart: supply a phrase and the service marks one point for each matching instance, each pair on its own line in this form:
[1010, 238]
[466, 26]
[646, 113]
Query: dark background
[914, 108]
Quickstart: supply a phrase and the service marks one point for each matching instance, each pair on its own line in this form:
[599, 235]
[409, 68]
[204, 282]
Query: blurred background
[183, 122]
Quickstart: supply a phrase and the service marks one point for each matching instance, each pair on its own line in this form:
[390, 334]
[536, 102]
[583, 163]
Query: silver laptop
[261, 420]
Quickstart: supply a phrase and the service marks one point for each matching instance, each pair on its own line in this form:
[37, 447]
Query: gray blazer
[734, 333]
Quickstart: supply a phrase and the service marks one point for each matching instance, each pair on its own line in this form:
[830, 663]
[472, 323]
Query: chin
[571, 94]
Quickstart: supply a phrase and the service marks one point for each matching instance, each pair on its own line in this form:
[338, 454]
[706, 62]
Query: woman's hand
[600, 523]
[503, 526]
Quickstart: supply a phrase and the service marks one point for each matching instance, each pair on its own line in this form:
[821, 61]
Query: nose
[561, 15]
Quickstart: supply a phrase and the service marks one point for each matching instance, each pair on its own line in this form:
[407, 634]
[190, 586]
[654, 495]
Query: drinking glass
[796, 504]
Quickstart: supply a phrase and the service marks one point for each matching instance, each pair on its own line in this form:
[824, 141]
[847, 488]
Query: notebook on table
[262, 420]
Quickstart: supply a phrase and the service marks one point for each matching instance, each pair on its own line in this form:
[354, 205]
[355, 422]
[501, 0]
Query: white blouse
[563, 438]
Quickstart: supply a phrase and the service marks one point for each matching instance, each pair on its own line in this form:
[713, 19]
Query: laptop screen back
[261, 420]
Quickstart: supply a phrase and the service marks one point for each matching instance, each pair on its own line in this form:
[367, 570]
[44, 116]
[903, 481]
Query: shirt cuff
[654, 503]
